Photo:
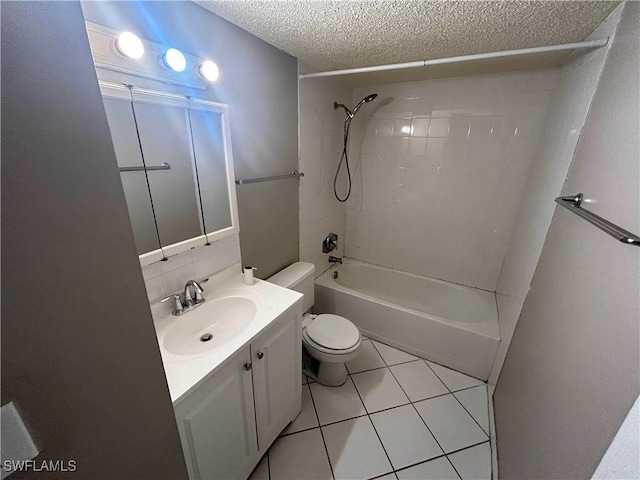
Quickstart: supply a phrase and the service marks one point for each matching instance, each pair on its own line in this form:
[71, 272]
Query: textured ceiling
[330, 35]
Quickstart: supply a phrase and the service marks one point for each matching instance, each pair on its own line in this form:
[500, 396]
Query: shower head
[366, 99]
[351, 114]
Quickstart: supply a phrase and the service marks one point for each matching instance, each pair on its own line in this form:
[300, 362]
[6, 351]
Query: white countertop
[185, 373]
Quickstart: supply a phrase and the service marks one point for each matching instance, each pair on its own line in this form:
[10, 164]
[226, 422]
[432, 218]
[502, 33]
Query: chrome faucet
[190, 299]
[335, 260]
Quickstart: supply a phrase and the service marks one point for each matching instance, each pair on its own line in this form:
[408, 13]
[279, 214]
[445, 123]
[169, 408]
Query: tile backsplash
[164, 278]
[440, 167]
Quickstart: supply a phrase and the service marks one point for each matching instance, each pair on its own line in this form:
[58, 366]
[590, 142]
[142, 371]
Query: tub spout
[335, 260]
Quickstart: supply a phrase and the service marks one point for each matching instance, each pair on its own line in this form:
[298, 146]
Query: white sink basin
[209, 326]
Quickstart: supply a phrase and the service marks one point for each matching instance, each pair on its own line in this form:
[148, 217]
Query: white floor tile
[337, 403]
[391, 355]
[404, 436]
[379, 390]
[299, 456]
[452, 426]
[476, 401]
[418, 381]
[438, 469]
[307, 417]
[261, 472]
[454, 380]
[305, 380]
[355, 450]
[367, 359]
[473, 463]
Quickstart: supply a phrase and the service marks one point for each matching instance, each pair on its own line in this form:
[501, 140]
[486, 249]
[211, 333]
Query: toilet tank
[299, 277]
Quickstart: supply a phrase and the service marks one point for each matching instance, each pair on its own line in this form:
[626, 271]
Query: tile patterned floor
[396, 417]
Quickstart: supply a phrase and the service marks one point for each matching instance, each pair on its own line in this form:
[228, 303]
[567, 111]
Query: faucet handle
[177, 304]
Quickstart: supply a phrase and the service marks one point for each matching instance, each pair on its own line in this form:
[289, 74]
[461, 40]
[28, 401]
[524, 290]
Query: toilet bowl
[332, 341]
[329, 340]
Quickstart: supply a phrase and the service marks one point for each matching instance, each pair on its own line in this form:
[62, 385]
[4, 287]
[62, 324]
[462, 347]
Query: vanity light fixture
[175, 60]
[209, 71]
[129, 45]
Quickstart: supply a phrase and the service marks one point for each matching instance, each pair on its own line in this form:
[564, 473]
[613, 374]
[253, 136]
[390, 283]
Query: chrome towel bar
[573, 204]
[164, 166]
[294, 174]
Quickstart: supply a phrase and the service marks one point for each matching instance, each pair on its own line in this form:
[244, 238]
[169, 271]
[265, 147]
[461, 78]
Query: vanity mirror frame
[119, 91]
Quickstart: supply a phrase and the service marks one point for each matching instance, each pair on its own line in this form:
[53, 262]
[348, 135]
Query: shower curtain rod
[601, 42]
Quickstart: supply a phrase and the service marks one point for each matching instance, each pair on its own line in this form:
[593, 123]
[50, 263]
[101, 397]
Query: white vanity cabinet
[229, 421]
[217, 423]
[277, 369]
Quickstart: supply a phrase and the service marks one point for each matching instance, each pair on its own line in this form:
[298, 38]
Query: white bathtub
[449, 324]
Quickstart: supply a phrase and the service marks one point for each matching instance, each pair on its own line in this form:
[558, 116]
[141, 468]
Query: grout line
[386, 365]
[384, 409]
[453, 370]
[465, 409]
[388, 408]
[382, 445]
[374, 427]
[467, 388]
[268, 465]
[383, 475]
[467, 448]
[326, 450]
[436, 374]
[474, 418]
[419, 463]
[493, 436]
[367, 370]
[415, 359]
[429, 398]
[453, 466]
[441, 456]
[328, 424]
[418, 413]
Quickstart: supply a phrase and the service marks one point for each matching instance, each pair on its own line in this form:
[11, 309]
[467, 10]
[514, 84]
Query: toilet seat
[332, 334]
[310, 344]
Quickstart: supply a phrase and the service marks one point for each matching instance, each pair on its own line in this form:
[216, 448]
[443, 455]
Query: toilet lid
[333, 331]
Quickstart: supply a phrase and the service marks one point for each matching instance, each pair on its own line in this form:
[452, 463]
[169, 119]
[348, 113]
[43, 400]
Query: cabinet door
[277, 362]
[217, 424]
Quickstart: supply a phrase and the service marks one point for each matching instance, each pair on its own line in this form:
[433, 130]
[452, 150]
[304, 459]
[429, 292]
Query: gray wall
[79, 353]
[572, 370]
[260, 84]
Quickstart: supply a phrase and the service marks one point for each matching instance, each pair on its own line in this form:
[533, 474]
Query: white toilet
[331, 340]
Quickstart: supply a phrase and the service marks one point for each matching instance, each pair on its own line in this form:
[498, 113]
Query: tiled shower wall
[440, 168]
[320, 149]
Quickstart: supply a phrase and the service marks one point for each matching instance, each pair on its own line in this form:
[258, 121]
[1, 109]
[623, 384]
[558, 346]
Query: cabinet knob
[260, 355]
[247, 366]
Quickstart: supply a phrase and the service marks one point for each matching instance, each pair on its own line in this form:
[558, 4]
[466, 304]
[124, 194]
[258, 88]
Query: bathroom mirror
[174, 155]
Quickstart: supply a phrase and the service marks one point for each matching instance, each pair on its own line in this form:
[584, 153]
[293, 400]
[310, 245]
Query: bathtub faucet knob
[335, 260]
[330, 243]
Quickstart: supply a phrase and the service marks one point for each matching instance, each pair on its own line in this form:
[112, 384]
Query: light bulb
[209, 71]
[130, 45]
[175, 60]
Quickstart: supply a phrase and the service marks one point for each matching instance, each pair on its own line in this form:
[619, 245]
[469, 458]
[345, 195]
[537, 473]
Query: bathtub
[449, 324]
